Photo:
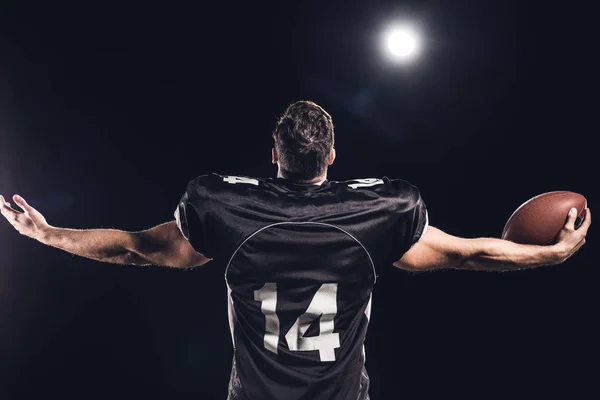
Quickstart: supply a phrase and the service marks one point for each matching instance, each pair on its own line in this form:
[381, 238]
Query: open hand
[571, 239]
[30, 222]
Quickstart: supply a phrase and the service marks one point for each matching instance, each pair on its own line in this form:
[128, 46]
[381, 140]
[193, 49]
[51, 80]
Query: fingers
[27, 223]
[5, 207]
[587, 221]
[581, 232]
[576, 248]
[8, 212]
[571, 217]
[36, 217]
[22, 203]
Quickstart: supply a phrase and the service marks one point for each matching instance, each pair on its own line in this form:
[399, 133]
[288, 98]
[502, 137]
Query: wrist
[558, 252]
[46, 234]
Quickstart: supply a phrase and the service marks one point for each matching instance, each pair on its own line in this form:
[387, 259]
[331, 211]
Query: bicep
[165, 245]
[436, 249]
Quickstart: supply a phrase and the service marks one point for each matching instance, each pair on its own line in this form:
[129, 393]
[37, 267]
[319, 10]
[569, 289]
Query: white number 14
[323, 305]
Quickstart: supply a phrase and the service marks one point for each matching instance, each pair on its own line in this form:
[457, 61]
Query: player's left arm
[437, 250]
[162, 245]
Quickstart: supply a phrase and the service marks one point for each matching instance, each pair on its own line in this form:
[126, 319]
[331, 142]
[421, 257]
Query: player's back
[300, 270]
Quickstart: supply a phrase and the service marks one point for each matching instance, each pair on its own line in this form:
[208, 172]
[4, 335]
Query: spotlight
[402, 43]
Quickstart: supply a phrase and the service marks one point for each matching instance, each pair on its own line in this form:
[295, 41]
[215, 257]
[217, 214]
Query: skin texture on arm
[437, 250]
[162, 245]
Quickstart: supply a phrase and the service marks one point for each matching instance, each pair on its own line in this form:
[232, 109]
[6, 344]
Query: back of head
[304, 141]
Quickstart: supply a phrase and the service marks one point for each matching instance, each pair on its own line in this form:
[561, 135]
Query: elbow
[133, 258]
[459, 261]
[138, 249]
[465, 253]
[404, 266]
[417, 266]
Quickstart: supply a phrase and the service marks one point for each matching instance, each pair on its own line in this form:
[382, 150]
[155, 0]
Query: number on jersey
[240, 179]
[323, 307]
[365, 182]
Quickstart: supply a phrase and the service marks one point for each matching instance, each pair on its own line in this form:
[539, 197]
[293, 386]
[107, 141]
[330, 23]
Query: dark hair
[304, 141]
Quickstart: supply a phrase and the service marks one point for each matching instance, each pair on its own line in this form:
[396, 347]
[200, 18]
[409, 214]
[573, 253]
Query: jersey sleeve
[412, 218]
[190, 217]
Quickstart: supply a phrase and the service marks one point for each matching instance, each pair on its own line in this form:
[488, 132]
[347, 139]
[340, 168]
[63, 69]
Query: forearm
[106, 245]
[437, 250]
[490, 254]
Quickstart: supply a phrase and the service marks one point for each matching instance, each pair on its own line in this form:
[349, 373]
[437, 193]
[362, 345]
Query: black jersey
[301, 262]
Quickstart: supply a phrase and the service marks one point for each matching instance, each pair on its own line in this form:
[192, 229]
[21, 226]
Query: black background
[107, 110]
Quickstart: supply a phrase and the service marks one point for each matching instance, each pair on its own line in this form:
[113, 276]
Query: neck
[315, 181]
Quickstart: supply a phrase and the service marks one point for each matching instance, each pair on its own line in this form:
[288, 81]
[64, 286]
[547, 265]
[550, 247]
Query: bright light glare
[402, 43]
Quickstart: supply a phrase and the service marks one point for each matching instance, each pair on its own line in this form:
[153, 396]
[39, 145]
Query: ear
[274, 158]
[332, 157]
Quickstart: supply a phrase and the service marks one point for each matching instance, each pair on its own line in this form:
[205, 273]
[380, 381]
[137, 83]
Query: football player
[301, 255]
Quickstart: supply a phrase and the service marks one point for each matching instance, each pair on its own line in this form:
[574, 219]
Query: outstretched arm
[161, 245]
[437, 250]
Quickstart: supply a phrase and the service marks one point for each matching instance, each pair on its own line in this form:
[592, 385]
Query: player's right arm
[162, 245]
[436, 250]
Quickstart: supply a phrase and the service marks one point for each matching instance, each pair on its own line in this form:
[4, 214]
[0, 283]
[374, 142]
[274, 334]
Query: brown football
[540, 219]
